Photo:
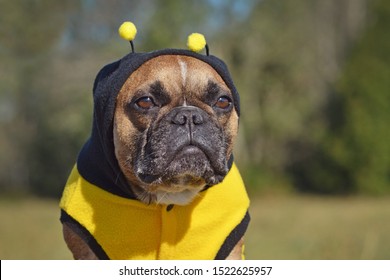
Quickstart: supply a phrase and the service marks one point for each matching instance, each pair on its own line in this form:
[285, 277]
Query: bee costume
[98, 204]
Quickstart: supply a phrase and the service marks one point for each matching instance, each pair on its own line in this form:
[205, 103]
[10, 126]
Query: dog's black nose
[187, 116]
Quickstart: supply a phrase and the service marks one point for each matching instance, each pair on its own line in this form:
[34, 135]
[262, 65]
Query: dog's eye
[145, 102]
[223, 102]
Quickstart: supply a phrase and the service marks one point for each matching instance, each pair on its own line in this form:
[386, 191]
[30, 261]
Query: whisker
[146, 197]
[162, 197]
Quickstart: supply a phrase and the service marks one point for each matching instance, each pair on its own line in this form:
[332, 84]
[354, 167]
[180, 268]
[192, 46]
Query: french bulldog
[173, 125]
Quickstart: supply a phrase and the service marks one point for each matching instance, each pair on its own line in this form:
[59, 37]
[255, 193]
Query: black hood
[97, 162]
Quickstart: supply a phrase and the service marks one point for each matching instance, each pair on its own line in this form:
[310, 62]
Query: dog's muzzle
[185, 142]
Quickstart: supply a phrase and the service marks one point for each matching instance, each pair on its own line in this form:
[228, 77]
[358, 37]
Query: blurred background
[314, 142]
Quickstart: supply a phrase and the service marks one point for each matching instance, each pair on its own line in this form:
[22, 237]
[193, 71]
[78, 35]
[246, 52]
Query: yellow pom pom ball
[196, 42]
[127, 31]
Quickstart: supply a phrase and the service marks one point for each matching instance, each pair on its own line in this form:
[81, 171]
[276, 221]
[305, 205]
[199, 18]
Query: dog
[156, 179]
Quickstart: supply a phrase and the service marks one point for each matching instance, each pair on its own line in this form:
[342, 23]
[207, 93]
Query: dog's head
[174, 127]
[164, 125]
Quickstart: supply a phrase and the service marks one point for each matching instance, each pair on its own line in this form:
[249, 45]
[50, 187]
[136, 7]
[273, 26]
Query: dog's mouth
[188, 155]
[190, 166]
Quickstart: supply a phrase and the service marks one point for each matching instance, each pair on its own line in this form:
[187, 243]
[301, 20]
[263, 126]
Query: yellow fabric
[129, 229]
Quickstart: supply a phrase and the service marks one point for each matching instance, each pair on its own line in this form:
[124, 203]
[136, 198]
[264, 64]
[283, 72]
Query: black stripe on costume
[84, 234]
[233, 238]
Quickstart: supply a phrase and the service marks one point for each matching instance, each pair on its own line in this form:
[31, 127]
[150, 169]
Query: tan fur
[236, 253]
[77, 246]
[166, 68]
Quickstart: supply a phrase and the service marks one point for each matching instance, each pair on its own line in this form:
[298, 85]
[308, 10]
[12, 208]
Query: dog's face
[174, 129]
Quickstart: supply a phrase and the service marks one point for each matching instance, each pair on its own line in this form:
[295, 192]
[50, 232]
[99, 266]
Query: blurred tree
[171, 21]
[28, 30]
[354, 155]
[285, 57]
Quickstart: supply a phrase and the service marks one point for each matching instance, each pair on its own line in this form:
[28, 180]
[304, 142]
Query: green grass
[319, 228]
[282, 228]
[30, 229]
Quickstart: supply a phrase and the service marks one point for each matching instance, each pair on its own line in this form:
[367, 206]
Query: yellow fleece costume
[99, 205]
[129, 229]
